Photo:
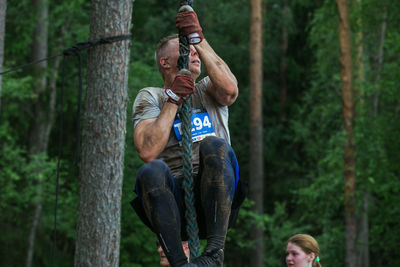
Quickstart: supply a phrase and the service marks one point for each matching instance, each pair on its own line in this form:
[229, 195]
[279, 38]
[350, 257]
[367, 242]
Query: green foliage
[24, 180]
[238, 242]
[303, 155]
[318, 125]
[279, 229]
[19, 31]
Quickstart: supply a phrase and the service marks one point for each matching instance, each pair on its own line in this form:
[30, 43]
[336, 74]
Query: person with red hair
[302, 250]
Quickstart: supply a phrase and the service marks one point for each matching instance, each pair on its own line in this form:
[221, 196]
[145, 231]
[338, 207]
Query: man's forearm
[151, 136]
[223, 80]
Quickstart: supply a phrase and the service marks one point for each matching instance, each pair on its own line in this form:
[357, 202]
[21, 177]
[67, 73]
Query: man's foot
[209, 258]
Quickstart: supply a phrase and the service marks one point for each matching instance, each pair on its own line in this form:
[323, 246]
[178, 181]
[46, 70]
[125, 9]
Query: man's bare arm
[151, 135]
[223, 84]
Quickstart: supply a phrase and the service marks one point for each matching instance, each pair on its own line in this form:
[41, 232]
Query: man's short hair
[160, 50]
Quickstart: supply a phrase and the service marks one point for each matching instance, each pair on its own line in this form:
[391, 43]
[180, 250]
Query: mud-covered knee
[213, 144]
[152, 175]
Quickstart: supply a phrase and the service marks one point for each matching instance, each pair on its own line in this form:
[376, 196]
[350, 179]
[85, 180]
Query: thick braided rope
[190, 212]
[187, 167]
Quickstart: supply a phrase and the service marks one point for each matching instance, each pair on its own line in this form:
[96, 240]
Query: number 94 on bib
[201, 127]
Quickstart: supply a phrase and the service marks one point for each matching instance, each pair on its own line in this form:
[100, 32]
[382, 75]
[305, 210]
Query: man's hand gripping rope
[182, 86]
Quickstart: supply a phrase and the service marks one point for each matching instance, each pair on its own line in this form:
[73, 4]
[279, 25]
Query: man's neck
[168, 80]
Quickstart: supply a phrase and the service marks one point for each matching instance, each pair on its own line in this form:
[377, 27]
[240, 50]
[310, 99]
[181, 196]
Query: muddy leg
[156, 188]
[217, 189]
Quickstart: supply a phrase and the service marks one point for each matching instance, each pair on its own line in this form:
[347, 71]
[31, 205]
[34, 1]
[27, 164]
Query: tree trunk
[40, 126]
[364, 259]
[349, 148]
[3, 8]
[103, 142]
[363, 234]
[380, 59]
[359, 57]
[283, 69]
[256, 189]
[35, 222]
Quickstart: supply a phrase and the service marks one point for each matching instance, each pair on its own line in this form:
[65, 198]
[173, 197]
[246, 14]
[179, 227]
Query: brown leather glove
[182, 86]
[188, 25]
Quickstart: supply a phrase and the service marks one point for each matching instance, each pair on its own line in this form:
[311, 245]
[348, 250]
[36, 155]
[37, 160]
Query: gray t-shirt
[149, 103]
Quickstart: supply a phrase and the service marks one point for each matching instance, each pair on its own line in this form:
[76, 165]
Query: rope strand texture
[187, 168]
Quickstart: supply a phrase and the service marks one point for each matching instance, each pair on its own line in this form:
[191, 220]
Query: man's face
[163, 259]
[194, 60]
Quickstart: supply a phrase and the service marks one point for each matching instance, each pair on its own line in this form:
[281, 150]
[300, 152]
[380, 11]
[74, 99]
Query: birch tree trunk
[256, 184]
[349, 148]
[3, 8]
[103, 142]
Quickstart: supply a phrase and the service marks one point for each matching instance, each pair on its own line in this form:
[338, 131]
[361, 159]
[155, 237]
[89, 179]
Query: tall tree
[103, 142]
[40, 127]
[40, 123]
[3, 8]
[363, 235]
[363, 238]
[283, 68]
[359, 55]
[256, 189]
[349, 147]
[379, 58]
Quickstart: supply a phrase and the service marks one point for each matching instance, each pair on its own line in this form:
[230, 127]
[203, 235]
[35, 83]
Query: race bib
[201, 127]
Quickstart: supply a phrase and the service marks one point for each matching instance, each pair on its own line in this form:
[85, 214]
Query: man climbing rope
[218, 192]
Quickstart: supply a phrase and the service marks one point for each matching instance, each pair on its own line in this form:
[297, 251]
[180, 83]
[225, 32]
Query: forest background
[302, 131]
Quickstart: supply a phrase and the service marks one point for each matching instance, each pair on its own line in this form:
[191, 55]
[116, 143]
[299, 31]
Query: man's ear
[164, 63]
